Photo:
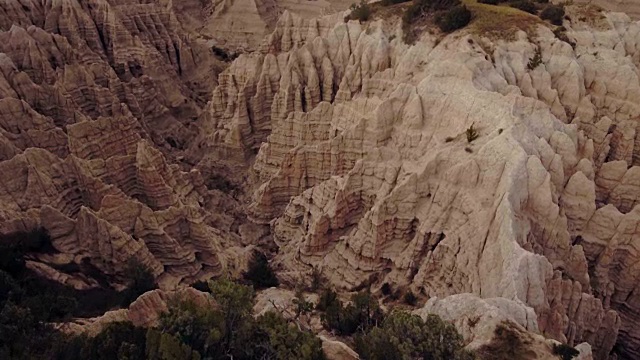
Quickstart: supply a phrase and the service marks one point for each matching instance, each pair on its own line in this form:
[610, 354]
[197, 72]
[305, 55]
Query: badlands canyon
[188, 134]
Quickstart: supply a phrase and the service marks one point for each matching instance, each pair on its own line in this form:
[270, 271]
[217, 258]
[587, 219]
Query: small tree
[565, 352]
[472, 134]
[317, 280]
[139, 278]
[536, 60]
[386, 289]
[553, 13]
[410, 298]
[361, 11]
[260, 273]
[454, 19]
[405, 336]
[525, 5]
[302, 305]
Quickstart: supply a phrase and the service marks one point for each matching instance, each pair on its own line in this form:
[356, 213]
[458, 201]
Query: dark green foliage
[361, 11]
[139, 278]
[419, 7]
[454, 19]
[163, 346]
[553, 13]
[118, 338]
[317, 280]
[472, 134]
[22, 336]
[260, 273]
[525, 5]
[386, 289]
[535, 61]
[201, 285]
[410, 298]
[14, 246]
[490, 2]
[406, 336]
[302, 305]
[565, 352]
[360, 314]
[392, 2]
[283, 341]
[229, 331]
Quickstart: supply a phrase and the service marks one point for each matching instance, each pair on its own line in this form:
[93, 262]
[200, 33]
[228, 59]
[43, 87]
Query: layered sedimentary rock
[144, 312]
[96, 103]
[368, 172]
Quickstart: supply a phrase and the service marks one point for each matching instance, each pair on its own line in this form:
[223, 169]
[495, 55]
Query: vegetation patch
[553, 13]
[499, 22]
[405, 336]
[260, 274]
[361, 12]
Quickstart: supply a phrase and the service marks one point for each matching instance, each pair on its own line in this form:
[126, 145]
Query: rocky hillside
[95, 95]
[494, 171]
[364, 166]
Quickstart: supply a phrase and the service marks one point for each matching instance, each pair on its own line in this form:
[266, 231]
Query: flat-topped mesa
[363, 174]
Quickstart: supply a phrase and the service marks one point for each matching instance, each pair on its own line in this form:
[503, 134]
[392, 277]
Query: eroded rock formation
[97, 100]
[367, 172]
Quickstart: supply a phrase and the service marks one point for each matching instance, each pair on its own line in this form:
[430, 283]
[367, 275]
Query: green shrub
[386, 289]
[536, 60]
[490, 2]
[139, 278]
[280, 340]
[360, 315]
[302, 305]
[410, 298]
[565, 352]
[317, 280]
[454, 19]
[260, 273]
[405, 336]
[361, 11]
[393, 2]
[525, 5]
[553, 13]
[231, 331]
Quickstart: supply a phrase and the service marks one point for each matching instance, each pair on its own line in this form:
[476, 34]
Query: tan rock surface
[144, 312]
[96, 101]
[366, 169]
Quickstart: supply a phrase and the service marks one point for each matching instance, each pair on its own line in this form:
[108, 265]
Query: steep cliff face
[367, 172]
[95, 95]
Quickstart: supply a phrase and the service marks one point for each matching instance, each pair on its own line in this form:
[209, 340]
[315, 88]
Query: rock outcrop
[96, 103]
[144, 312]
[363, 167]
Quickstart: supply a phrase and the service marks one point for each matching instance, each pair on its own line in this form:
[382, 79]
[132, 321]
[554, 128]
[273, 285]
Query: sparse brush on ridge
[451, 15]
[525, 5]
[553, 13]
[360, 12]
[454, 19]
